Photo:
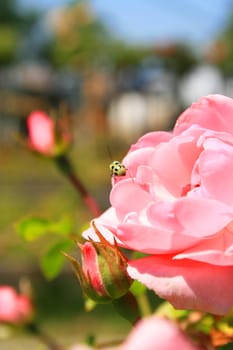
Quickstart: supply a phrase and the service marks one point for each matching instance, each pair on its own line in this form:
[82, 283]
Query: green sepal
[127, 307]
[85, 282]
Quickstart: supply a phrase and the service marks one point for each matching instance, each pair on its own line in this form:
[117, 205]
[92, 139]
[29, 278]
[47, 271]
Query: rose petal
[213, 112]
[151, 139]
[148, 239]
[137, 158]
[164, 226]
[216, 169]
[156, 333]
[186, 284]
[217, 250]
[173, 162]
[127, 196]
[147, 177]
[197, 217]
[201, 216]
[106, 224]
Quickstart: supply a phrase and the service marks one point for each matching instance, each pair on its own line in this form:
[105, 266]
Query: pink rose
[156, 333]
[14, 308]
[175, 204]
[41, 132]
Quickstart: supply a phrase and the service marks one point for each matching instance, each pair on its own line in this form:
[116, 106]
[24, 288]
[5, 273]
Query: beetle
[117, 168]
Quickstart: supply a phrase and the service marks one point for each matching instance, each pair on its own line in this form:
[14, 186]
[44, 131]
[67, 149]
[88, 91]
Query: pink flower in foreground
[46, 135]
[156, 333]
[14, 308]
[175, 204]
[80, 347]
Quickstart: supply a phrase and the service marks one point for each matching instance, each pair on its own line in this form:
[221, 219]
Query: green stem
[144, 304]
[66, 168]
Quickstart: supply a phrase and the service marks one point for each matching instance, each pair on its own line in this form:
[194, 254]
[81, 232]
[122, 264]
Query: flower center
[185, 189]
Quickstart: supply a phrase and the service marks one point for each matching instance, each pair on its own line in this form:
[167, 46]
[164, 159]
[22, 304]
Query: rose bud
[14, 308]
[102, 274]
[48, 136]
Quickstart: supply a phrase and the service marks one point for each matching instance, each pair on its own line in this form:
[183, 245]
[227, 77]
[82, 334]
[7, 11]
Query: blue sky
[195, 21]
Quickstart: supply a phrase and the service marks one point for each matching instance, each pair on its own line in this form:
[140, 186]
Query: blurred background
[118, 69]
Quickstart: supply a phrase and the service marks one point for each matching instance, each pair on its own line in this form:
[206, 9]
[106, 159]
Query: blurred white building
[203, 80]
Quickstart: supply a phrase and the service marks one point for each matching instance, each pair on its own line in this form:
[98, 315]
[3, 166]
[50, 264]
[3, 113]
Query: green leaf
[53, 261]
[165, 309]
[32, 228]
[63, 226]
[206, 324]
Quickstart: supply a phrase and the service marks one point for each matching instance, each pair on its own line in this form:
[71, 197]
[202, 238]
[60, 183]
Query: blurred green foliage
[41, 216]
[8, 40]
[14, 25]
[81, 40]
[33, 227]
[52, 262]
[226, 48]
[39, 207]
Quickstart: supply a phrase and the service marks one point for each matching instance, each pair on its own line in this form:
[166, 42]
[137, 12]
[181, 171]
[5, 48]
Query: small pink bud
[47, 136]
[41, 132]
[102, 274]
[14, 308]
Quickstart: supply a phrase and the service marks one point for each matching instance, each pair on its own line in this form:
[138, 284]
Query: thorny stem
[66, 168]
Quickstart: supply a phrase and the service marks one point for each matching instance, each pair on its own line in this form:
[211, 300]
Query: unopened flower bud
[48, 136]
[102, 274]
[14, 308]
